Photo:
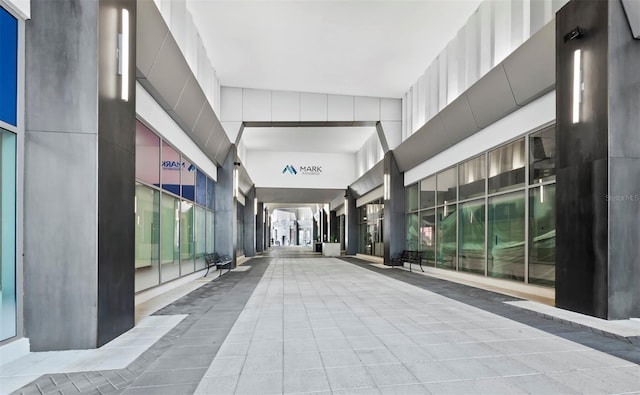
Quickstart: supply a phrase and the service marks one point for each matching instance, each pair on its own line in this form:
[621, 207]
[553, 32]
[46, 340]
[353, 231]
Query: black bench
[220, 262]
[408, 256]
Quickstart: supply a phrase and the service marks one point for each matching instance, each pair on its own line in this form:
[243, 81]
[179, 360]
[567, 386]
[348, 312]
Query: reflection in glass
[147, 155]
[471, 233]
[200, 236]
[188, 180]
[8, 308]
[542, 235]
[169, 237]
[446, 237]
[447, 182]
[542, 153]
[201, 188]
[411, 196]
[171, 168]
[240, 230]
[187, 245]
[370, 228]
[471, 176]
[147, 234]
[411, 232]
[428, 236]
[210, 227]
[210, 194]
[507, 167]
[506, 236]
[428, 192]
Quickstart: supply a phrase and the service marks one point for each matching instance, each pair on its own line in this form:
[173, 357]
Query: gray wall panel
[61, 64]
[116, 186]
[60, 240]
[190, 104]
[458, 120]
[169, 62]
[531, 68]
[624, 233]
[493, 85]
[152, 31]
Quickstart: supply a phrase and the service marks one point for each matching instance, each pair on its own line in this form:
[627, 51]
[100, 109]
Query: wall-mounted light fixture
[123, 56]
[346, 207]
[236, 183]
[541, 192]
[387, 187]
[577, 84]
[255, 206]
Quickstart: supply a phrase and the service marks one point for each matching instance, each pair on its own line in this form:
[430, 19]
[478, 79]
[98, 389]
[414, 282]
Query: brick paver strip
[626, 348]
[225, 296]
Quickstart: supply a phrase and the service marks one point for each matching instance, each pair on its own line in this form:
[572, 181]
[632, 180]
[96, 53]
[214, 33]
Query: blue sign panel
[8, 67]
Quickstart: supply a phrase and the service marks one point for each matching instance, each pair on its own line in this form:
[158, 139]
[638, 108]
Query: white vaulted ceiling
[367, 48]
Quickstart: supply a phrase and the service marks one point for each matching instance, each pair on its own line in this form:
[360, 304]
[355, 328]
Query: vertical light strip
[255, 206]
[346, 207]
[387, 187]
[577, 77]
[124, 56]
[541, 192]
[235, 182]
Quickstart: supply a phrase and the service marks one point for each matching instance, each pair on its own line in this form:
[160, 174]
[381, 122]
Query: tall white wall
[370, 154]
[494, 31]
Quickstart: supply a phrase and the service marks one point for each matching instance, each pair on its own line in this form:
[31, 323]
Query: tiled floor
[322, 325]
[294, 322]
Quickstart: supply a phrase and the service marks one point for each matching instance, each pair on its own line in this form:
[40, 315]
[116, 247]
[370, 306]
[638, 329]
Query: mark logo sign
[307, 170]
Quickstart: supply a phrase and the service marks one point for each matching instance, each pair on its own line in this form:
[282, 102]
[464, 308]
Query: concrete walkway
[299, 323]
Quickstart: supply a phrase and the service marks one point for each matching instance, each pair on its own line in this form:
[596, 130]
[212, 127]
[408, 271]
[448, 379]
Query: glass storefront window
[446, 237]
[411, 232]
[171, 169]
[428, 236]
[188, 180]
[147, 233]
[8, 308]
[542, 235]
[209, 230]
[187, 245]
[471, 177]
[210, 194]
[506, 236]
[370, 218]
[200, 237]
[542, 155]
[471, 256]
[411, 197]
[240, 230]
[428, 192]
[447, 182]
[147, 155]
[507, 167]
[201, 188]
[169, 238]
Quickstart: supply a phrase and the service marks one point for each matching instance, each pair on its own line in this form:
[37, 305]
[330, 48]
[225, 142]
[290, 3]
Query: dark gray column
[315, 231]
[250, 224]
[351, 223]
[260, 234]
[267, 230]
[334, 226]
[598, 166]
[226, 226]
[79, 176]
[394, 215]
